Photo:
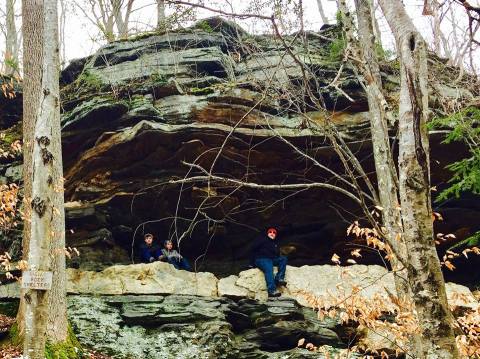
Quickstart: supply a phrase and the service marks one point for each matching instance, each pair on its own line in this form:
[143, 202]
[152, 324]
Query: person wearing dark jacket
[265, 254]
[149, 251]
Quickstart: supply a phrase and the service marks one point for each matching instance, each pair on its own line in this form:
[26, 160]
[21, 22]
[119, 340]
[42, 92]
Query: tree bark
[376, 27]
[32, 28]
[11, 40]
[322, 12]
[437, 338]
[45, 311]
[387, 179]
[122, 20]
[57, 324]
[161, 25]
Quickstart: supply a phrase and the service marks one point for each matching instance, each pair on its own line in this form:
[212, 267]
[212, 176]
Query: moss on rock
[10, 135]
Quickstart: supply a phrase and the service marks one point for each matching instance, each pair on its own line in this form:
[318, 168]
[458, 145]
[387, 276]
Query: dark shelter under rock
[145, 120]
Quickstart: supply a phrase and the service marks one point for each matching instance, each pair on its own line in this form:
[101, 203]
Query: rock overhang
[121, 137]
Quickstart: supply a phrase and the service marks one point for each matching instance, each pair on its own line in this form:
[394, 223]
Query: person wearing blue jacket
[265, 254]
[149, 251]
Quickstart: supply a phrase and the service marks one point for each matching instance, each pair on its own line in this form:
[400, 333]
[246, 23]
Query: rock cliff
[136, 112]
[153, 311]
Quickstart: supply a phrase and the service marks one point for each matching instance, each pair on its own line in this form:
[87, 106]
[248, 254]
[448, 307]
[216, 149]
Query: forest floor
[9, 351]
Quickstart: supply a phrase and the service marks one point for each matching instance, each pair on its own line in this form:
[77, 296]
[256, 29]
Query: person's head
[148, 238]
[271, 233]
[168, 244]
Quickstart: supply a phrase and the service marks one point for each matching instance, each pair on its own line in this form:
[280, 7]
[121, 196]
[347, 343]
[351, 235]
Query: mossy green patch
[90, 80]
[201, 90]
[390, 86]
[383, 54]
[158, 78]
[336, 49]
[9, 136]
[87, 85]
[12, 339]
[205, 26]
[69, 349]
[141, 35]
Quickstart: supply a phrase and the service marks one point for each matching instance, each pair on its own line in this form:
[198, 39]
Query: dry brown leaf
[356, 253]
[335, 259]
[449, 265]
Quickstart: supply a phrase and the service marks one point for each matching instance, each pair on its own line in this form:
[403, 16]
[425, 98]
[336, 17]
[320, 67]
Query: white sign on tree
[40, 280]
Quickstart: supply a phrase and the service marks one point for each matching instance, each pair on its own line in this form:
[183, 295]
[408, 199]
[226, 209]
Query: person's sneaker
[281, 283]
[274, 295]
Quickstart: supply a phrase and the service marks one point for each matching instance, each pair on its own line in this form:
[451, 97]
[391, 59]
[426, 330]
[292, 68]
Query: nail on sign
[37, 280]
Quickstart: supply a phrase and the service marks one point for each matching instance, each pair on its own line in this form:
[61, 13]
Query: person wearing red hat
[265, 254]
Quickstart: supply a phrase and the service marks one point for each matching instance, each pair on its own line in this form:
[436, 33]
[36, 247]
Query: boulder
[14, 173]
[228, 287]
[328, 281]
[152, 278]
[378, 340]
[322, 281]
[319, 281]
[249, 283]
[460, 298]
[335, 281]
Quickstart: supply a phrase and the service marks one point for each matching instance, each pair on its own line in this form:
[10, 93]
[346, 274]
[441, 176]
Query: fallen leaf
[335, 259]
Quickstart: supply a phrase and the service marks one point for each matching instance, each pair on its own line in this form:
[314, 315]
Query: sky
[81, 37]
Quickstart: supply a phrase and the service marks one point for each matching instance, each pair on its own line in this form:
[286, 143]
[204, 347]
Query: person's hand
[161, 258]
[151, 259]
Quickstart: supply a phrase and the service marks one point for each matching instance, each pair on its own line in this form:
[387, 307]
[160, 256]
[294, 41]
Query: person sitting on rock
[264, 255]
[171, 256]
[149, 251]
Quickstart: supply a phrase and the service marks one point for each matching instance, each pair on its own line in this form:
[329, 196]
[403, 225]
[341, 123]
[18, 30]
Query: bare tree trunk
[161, 24]
[122, 20]
[61, 35]
[45, 311]
[57, 316]
[387, 178]
[376, 28]
[322, 12]
[436, 27]
[11, 40]
[437, 338]
[32, 28]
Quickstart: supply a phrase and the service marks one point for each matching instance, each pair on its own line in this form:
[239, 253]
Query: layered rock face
[139, 110]
[138, 114]
[153, 327]
[321, 281]
[154, 311]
